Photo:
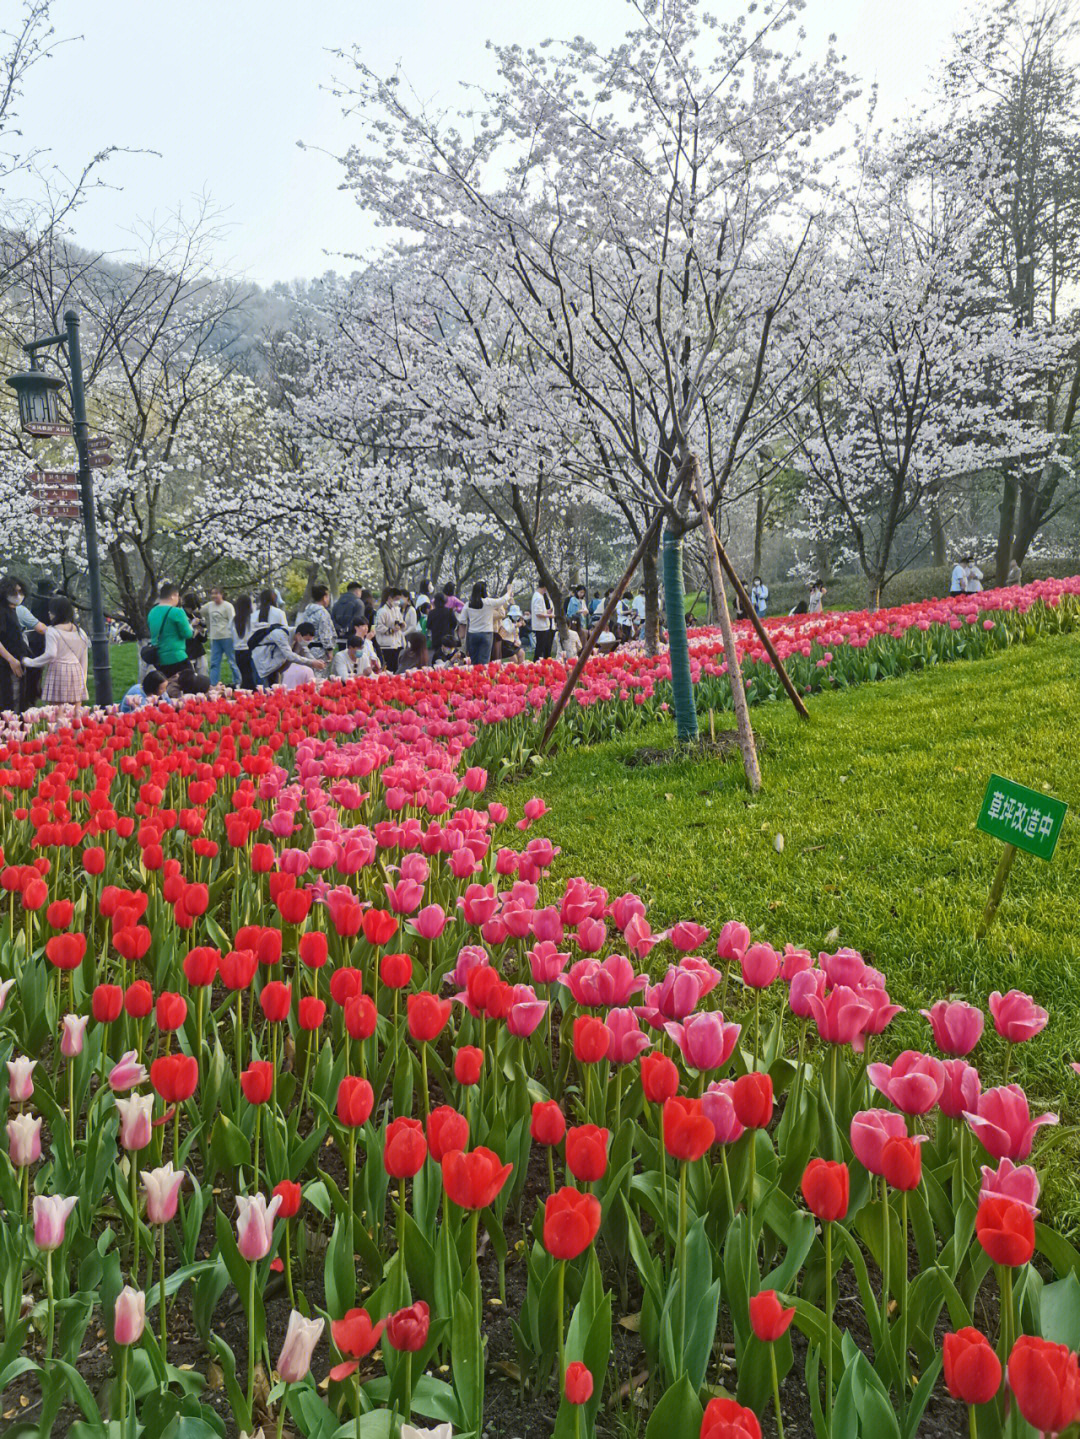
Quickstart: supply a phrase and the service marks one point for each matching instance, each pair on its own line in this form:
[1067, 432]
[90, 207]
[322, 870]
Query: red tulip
[586, 1152]
[201, 966]
[1006, 1230]
[475, 1178]
[380, 926]
[972, 1369]
[579, 1383]
[826, 1187]
[59, 914]
[768, 1317]
[395, 970]
[428, 1016]
[571, 1222]
[688, 1131]
[727, 1419]
[361, 1016]
[94, 860]
[294, 905]
[66, 951]
[171, 1011]
[175, 1077]
[407, 1330]
[313, 949]
[356, 1336]
[139, 999]
[468, 1065]
[405, 1149]
[548, 1124]
[592, 1039]
[290, 1195]
[238, 968]
[659, 1078]
[311, 1012]
[752, 1097]
[901, 1163]
[355, 1101]
[1045, 1382]
[344, 984]
[107, 1003]
[275, 1000]
[257, 1081]
[446, 1130]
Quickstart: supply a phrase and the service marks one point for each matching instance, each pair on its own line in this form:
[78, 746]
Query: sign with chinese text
[1022, 817]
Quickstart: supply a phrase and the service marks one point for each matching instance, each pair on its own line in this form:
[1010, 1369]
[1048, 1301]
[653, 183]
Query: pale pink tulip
[1002, 1122]
[51, 1212]
[704, 1040]
[136, 1113]
[301, 1337]
[1016, 1016]
[24, 1140]
[74, 1034]
[129, 1316]
[870, 1128]
[913, 1082]
[957, 1027]
[526, 1012]
[162, 1190]
[718, 1105]
[21, 1079]
[127, 1072]
[1009, 1181]
[255, 1224]
[5, 990]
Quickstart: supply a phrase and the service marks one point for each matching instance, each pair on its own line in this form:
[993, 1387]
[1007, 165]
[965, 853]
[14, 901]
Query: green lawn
[124, 663]
[876, 800]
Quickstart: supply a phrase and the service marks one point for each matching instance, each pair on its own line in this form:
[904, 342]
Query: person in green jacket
[170, 629]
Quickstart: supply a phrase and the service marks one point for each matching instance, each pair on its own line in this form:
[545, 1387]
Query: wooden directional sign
[45, 429]
[98, 447]
[57, 493]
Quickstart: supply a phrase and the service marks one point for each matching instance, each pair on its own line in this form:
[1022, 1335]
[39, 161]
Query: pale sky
[224, 90]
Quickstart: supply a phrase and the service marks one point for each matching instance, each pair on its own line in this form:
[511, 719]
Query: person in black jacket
[442, 623]
[347, 609]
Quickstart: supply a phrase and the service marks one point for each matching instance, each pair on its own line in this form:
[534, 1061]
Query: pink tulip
[627, 1038]
[706, 974]
[430, 922]
[795, 961]
[840, 1016]
[846, 967]
[639, 936]
[674, 997]
[136, 1114]
[870, 1129]
[414, 866]
[129, 1316]
[405, 896]
[546, 963]
[5, 990]
[962, 1088]
[470, 957]
[526, 1013]
[882, 1011]
[162, 1190]
[255, 1224]
[686, 935]
[126, 1073]
[719, 1108]
[804, 983]
[591, 936]
[24, 1140]
[478, 903]
[1008, 1181]
[547, 925]
[71, 1041]
[301, 1337]
[704, 1040]
[957, 1027]
[623, 909]
[610, 983]
[21, 1079]
[1016, 1016]
[913, 1082]
[734, 941]
[51, 1212]
[760, 966]
[1002, 1122]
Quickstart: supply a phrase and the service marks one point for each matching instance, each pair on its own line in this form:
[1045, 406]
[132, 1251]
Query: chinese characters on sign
[1022, 817]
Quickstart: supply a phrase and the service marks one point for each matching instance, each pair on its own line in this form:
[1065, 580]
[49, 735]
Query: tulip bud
[129, 1317]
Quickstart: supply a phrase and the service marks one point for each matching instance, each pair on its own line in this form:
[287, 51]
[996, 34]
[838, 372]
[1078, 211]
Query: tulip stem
[255, 1153]
[123, 1386]
[134, 1166]
[251, 1343]
[176, 1136]
[885, 1257]
[51, 1319]
[71, 1102]
[757, 1026]
[551, 1166]
[828, 1333]
[161, 1290]
[560, 1293]
[307, 1070]
[973, 1423]
[288, 1268]
[682, 1257]
[239, 1036]
[424, 1082]
[776, 1392]
[903, 1302]
[588, 1073]
[281, 1411]
[474, 1231]
[832, 1079]
[351, 1182]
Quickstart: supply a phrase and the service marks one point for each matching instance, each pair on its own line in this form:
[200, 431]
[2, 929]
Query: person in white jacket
[479, 619]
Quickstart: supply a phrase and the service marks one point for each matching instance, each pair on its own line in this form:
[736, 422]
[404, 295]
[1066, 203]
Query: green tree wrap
[682, 686]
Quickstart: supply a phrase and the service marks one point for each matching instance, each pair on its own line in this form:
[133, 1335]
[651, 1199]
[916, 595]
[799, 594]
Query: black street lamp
[39, 415]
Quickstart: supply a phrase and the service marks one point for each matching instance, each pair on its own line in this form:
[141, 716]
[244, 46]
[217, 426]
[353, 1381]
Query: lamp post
[39, 415]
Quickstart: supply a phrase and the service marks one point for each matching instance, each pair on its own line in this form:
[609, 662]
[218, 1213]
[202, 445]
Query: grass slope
[876, 799]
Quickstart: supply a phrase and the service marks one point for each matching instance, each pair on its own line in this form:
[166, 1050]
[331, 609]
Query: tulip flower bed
[319, 1086]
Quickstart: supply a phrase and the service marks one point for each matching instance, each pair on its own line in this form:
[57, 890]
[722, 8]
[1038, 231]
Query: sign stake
[1001, 874]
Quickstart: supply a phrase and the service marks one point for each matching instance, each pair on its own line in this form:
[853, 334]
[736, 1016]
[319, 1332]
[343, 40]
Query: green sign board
[1022, 817]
